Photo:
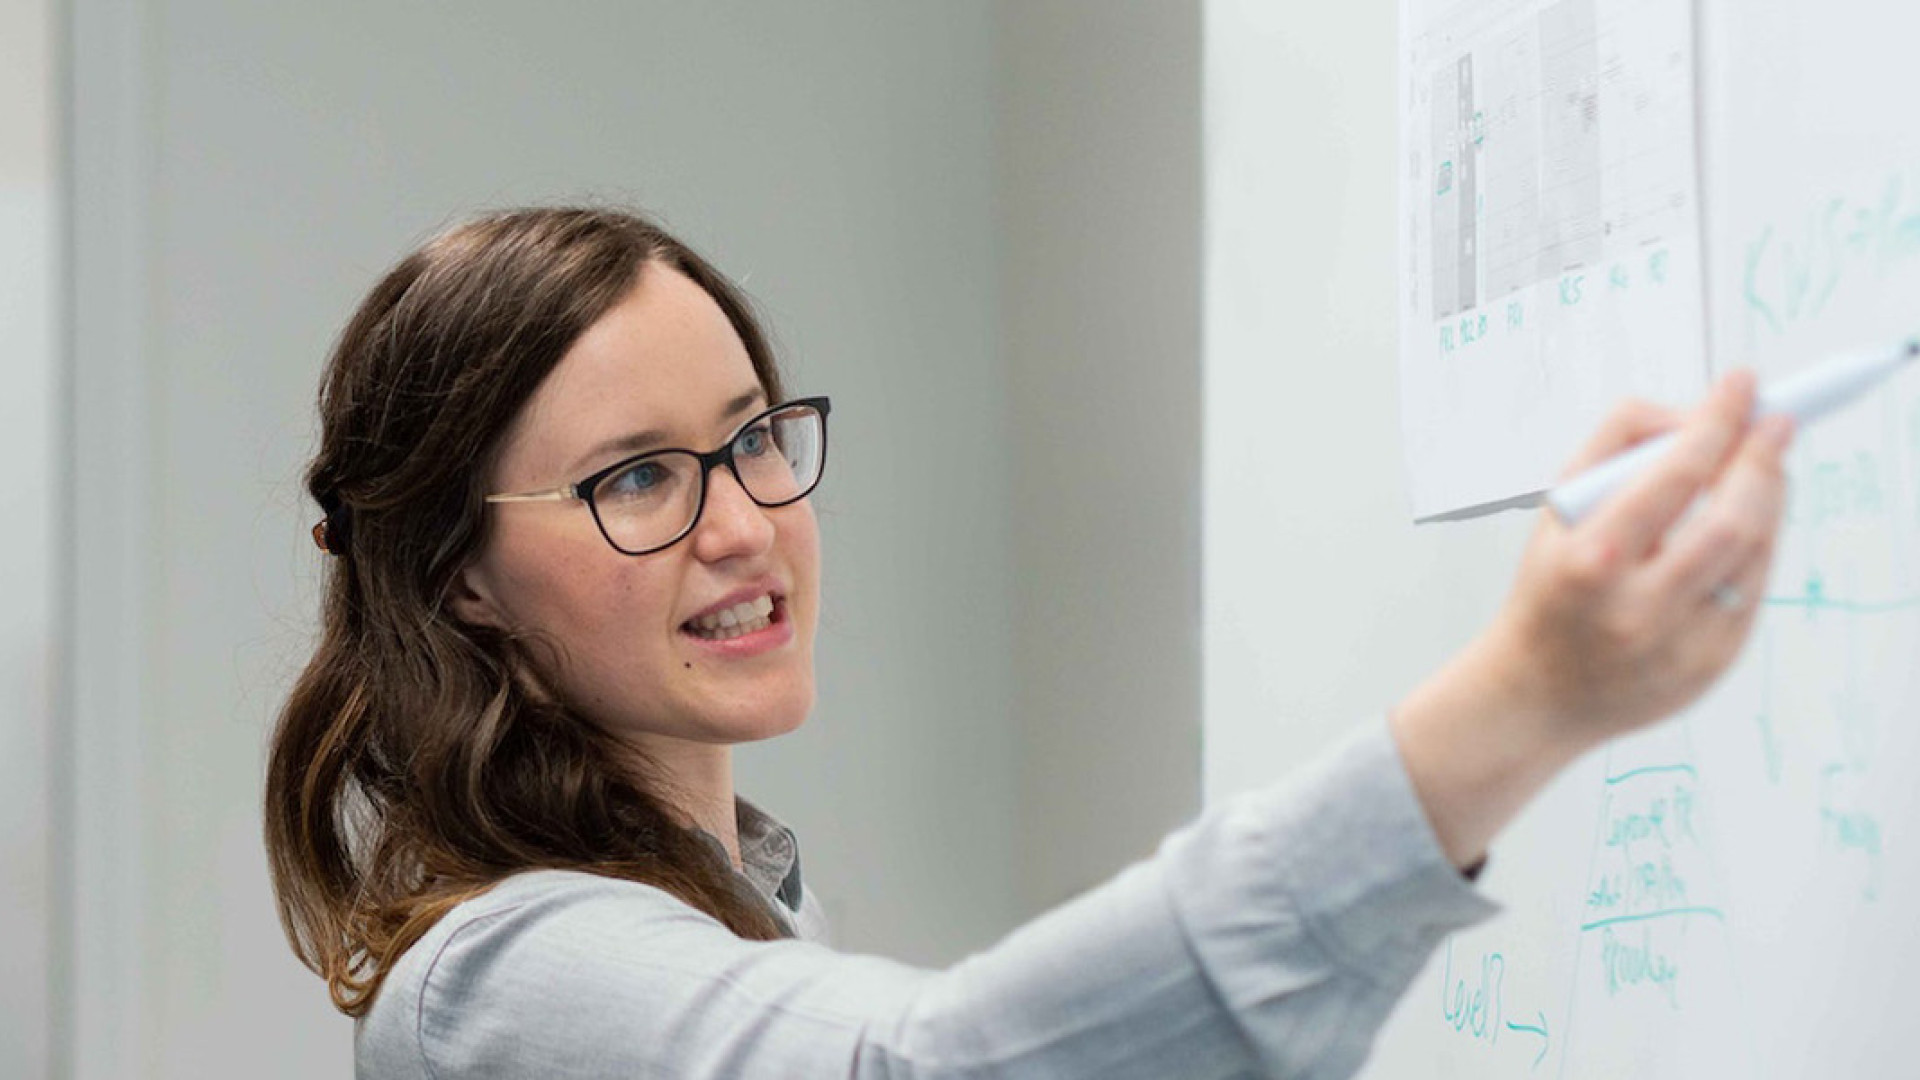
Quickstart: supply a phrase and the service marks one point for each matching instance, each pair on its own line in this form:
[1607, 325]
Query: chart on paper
[1551, 234]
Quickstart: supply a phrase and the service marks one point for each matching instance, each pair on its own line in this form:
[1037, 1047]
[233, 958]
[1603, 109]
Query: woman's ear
[472, 600]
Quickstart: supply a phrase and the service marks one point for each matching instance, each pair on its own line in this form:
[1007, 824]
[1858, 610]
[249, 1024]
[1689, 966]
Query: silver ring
[1728, 597]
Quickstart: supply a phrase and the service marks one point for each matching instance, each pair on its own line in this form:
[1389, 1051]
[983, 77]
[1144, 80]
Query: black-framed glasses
[653, 500]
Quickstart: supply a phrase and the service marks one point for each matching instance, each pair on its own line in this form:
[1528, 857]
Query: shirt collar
[769, 854]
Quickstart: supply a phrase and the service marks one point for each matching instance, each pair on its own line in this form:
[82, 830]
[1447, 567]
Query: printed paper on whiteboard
[1551, 253]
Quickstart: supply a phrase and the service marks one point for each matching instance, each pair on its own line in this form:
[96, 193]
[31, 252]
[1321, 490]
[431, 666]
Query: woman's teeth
[734, 621]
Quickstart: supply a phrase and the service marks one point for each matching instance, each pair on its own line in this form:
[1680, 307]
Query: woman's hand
[1611, 625]
[1629, 617]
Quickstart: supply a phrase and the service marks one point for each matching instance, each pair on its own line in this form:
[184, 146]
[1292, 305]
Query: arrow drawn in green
[1530, 1029]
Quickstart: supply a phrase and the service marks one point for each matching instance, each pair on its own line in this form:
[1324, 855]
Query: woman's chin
[774, 725]
[755, 721]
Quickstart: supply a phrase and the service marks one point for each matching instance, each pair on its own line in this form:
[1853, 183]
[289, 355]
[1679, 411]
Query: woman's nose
[731, 523]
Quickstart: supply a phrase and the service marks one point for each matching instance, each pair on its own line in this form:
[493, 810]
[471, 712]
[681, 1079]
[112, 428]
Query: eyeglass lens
[654, 500]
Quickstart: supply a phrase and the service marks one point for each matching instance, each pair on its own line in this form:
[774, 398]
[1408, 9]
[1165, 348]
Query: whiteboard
[1322, 605]
[1734, 893]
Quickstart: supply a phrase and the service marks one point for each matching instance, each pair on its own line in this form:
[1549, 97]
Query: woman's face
[666, 362]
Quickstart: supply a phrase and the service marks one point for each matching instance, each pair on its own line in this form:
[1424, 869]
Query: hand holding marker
[1807, 396]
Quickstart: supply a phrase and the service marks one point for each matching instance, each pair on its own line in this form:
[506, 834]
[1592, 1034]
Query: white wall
[29, 519]
[1323, 604]
[1100, 217]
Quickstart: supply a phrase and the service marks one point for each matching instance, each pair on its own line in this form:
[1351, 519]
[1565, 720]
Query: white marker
[1806, 397]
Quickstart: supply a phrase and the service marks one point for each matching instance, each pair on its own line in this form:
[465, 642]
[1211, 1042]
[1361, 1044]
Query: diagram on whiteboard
[1551, 208]
[1729, 893]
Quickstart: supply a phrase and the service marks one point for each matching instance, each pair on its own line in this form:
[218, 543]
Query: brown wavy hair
[416, 762]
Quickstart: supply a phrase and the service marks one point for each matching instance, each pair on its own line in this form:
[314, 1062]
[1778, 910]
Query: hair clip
[330, 532]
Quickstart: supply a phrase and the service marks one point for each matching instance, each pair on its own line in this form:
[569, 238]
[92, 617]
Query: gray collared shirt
[770, 861]
[1270, 936]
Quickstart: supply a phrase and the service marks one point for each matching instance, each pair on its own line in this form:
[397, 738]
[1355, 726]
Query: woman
[573, 563]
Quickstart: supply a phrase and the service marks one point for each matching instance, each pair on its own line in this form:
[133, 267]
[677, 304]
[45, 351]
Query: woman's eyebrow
[641, 441]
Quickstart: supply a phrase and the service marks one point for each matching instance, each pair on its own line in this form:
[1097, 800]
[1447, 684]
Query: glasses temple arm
[559, 494]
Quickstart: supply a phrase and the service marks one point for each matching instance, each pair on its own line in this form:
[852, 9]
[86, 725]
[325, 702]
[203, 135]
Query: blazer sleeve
[1270, 936]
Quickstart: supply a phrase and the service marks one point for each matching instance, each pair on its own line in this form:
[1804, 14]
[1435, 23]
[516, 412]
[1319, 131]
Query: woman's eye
[638, 480]
[755, 441]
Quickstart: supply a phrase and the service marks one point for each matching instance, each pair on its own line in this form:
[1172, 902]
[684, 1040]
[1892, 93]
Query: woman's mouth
[737, 621]
[747, 628]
